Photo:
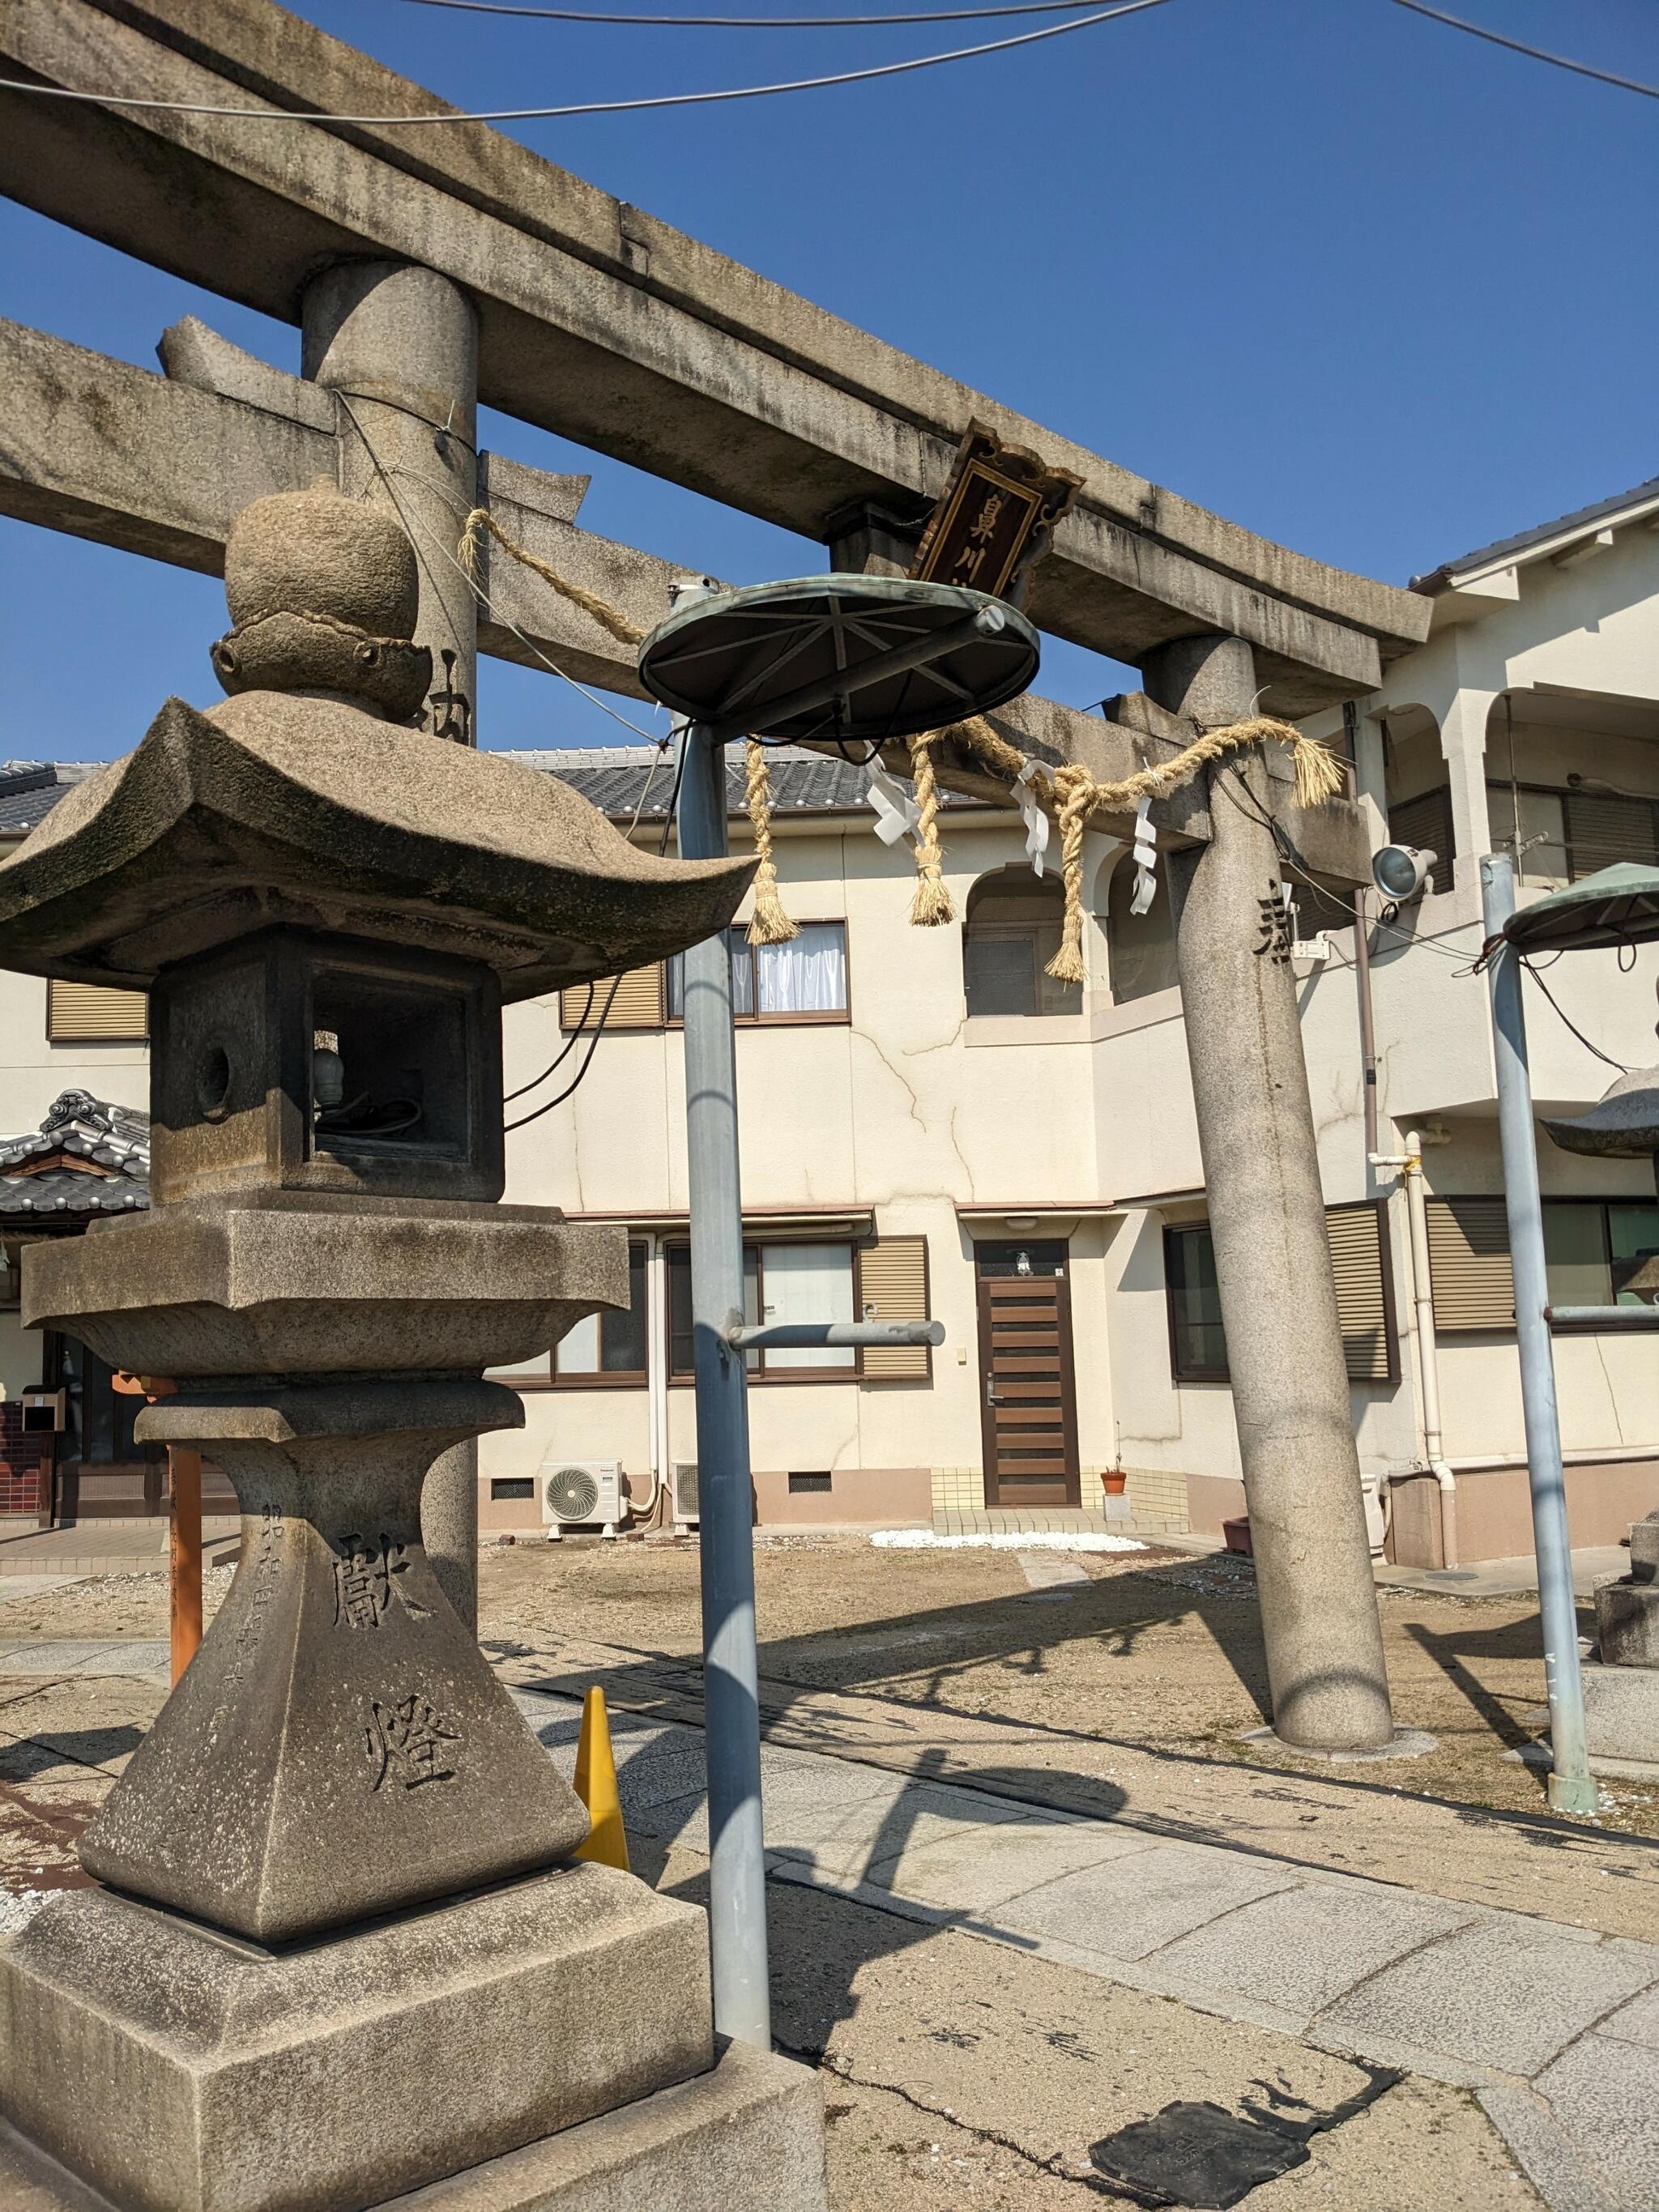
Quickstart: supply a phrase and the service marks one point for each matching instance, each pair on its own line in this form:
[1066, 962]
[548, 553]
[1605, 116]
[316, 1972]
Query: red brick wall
[25, 1464]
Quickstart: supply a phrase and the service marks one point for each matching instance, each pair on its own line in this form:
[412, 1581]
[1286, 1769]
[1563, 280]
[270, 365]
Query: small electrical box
[43, 1411]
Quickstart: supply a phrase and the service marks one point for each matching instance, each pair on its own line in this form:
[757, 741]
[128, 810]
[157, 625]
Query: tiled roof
[30, 789]
[615, 778]
[1582, 517]
[113, 1141]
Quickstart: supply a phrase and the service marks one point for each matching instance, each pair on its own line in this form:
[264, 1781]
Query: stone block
[180, 2071]
[1127, 1907]
[338, 1746]
[1622, 1713]
[746, 2137]
[317, 1283]
[1509, 1993]
[1627, 1622]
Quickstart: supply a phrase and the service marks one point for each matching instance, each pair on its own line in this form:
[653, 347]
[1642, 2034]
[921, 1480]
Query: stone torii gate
[433, 269]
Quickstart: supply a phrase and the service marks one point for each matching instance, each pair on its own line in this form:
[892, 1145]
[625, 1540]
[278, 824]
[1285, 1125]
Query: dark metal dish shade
[768, 660]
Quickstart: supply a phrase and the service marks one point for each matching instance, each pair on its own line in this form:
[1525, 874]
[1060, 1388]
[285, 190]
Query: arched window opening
[1142, 945]
[1012, 932]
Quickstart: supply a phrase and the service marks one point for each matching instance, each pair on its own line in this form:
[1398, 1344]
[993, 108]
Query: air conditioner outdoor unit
[683, 1483]
[575, 1494]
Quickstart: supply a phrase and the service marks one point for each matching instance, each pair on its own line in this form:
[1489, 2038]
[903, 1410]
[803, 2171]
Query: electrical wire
[1256, 813]
[1535, 53]
[575, 1083]
[583, 106]
[406, 518]
[758, 22]
[1568, 1020]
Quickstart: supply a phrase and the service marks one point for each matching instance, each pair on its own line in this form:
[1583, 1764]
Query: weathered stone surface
[338, 1746]
[276, 1282]
[323, 592]
[278, 809]
[1627, 1623]
[1621, 1717]
[747, 2138]
[177, 2072]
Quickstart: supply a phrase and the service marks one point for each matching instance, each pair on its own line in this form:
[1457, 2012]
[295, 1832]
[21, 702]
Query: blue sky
[1368, 286]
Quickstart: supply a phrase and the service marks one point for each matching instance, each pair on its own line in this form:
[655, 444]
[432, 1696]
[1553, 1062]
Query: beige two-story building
[930, 1127]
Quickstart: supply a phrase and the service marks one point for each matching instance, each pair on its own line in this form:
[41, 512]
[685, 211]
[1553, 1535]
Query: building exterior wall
[913, 1118]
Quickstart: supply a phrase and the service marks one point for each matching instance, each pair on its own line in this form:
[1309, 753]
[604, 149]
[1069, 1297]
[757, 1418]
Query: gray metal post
[736, 1868]
[1570, 1787]
[1290, 1384]
[399, 344]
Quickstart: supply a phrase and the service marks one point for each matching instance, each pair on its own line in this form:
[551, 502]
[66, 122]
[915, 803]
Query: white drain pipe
[1410, 1167]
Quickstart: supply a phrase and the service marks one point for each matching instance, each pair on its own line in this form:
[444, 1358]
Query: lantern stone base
[747, 2137]
[1621, 1721]
[179, 2070]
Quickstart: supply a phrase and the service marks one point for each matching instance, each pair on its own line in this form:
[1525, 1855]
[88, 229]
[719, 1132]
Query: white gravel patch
[18, 1907]
[924, 1540]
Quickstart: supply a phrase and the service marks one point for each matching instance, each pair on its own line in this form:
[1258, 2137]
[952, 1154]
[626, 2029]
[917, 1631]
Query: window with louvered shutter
[892, 1285]
[91, 1014]
[1469, 1264]
[1604, 831]
[637, 1005]
[1426, 823]
[1357, 1236]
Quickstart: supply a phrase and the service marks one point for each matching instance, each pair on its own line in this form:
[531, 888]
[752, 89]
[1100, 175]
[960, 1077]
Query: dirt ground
[1162, 1651]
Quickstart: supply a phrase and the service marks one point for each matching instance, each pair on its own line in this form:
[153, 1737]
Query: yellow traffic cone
[596, 1785]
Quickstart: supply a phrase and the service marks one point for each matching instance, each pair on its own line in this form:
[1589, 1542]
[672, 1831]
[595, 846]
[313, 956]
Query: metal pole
[1362, 978]
[1571, 1788]
[736, 1867]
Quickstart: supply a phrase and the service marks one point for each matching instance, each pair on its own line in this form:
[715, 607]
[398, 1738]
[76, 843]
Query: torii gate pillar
[1290, 1385]
[398, 344]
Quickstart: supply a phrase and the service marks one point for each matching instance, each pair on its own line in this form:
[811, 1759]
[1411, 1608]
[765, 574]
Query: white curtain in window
[808, 1282]
[578, 1353]
[807, 975]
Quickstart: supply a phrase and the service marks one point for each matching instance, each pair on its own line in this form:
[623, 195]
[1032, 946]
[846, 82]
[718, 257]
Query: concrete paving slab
[877, 1833]
[106, 1655]
[1636, 2022]
[1127, 1908]
[1302, 1948]
[1508, 1993]
[977, 1869]
[1606, 2094]
[1545, 2152]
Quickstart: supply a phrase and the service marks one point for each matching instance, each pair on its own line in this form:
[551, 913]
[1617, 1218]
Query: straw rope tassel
[1077, 789]
[771, 925]
[607, 616]
[932, 905]
[1070, 792]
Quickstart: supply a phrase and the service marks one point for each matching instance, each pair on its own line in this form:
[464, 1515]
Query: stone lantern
[338, 1949]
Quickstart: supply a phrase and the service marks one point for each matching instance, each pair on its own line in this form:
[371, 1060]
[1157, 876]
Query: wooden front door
[1030, 1396]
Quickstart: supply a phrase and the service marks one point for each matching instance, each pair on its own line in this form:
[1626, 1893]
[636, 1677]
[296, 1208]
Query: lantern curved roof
[279, 808]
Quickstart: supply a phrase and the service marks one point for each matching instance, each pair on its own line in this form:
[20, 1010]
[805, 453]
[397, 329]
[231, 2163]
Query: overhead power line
[584, 107]
[757, 22]
[1536, 53]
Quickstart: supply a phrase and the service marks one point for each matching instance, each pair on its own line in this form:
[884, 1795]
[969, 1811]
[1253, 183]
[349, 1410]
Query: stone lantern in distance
[340, 1950]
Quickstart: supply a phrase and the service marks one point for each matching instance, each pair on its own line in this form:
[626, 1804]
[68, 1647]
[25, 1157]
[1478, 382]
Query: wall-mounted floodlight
[1400, 872]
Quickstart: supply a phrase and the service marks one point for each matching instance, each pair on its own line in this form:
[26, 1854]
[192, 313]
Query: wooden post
[184, 1555]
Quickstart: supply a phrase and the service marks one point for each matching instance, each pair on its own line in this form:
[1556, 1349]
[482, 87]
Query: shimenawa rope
[1070, 792]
